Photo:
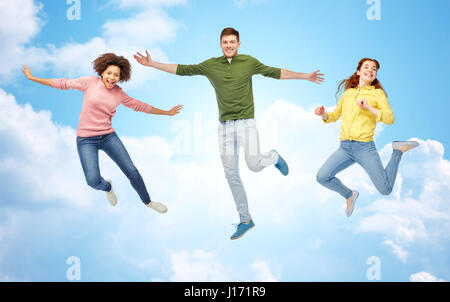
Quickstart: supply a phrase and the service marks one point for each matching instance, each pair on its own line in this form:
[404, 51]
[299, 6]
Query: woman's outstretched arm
[175, 110]
[29, 76]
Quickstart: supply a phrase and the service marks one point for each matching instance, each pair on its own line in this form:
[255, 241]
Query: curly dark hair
[108, 59]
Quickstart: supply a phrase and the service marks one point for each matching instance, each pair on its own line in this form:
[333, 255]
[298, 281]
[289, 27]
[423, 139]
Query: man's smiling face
[229, 45]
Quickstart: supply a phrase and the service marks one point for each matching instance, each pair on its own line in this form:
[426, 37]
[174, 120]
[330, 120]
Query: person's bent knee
[254, 165]
[385, 190]
[93, 182]
[321, 178]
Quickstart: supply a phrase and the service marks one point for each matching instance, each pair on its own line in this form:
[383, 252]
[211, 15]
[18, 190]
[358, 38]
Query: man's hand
[315, 77]
[144, 60]
[147, 61]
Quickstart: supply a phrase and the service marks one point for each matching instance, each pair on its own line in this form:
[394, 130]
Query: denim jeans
[232, 135]
[88, 148]
[366, 155]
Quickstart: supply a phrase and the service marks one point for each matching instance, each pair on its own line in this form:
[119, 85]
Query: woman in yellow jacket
[362, 105]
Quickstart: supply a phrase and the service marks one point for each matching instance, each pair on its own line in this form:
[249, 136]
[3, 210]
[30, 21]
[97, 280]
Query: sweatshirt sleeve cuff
[328, 120]
[55, 83]
[379, 115]
[148, 109]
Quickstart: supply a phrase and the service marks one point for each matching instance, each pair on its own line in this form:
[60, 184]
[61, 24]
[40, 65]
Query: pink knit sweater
[99, 104]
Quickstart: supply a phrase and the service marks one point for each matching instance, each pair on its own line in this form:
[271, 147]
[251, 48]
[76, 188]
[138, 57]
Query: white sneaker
[112, 198]
[157, 206]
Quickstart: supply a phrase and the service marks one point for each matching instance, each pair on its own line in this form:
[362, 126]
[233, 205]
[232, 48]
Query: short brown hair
[229, 31]
[108, 59]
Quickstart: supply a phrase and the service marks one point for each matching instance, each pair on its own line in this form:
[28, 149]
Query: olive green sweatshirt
[232, 82]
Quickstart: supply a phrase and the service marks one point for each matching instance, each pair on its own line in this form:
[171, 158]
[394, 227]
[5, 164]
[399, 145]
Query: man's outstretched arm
[147, 61]
[314, 76]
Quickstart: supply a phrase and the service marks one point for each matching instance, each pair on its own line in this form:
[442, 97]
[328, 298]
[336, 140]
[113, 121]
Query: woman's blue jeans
[366, 155]
[110, 143]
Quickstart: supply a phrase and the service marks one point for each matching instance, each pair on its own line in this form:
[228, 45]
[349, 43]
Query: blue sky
[301, 231]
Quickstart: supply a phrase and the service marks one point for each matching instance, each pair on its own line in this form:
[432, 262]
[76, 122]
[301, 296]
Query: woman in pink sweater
[101, 97]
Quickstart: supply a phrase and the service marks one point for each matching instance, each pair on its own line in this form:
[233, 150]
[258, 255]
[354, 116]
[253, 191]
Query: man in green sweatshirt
[231, 77]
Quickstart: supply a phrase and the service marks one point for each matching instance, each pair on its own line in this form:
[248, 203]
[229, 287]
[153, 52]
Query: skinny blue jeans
[88, 148]
[366, 155]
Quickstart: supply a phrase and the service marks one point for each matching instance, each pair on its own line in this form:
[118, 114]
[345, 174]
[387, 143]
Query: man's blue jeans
[366, 155]
[110, 143]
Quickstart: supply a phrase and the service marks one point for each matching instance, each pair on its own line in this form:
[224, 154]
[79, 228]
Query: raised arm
[147, 61]
[314, 76]
[29, 76]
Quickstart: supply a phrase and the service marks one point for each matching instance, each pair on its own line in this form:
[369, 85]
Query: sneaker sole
[165, 210]
[113, 193]
[234, 238]
[353, 205]
[396, 144]
[277, 164]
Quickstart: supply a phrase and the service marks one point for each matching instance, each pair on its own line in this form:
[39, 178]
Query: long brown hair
[353, 80]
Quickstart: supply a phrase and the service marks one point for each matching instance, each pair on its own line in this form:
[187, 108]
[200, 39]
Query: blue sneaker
[281, 165]
[355, 195]
[242, 228]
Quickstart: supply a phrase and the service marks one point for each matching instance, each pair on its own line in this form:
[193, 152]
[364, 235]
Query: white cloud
[36, 155]
[24, 10]
[198, 266]
[202, 266]
[398, 250]
[263, 272]
[424, 277]
[147, 29]
[417, 212]
[16, 34]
